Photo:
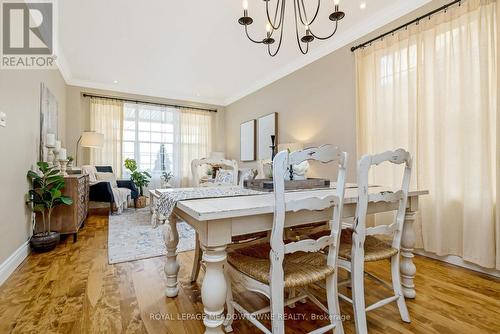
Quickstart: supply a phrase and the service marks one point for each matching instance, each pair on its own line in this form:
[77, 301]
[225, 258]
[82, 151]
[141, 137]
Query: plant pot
[42, 242]
[141, 202]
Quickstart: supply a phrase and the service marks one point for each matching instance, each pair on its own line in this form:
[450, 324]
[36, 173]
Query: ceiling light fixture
[362, 5]
[115, 81]
[302, 24]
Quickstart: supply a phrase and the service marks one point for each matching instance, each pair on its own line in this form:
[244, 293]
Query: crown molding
[66, 73]
[187, 99]
[370, 24]
[63, 66]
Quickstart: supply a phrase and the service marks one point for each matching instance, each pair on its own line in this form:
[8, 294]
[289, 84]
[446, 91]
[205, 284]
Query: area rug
[131, 237]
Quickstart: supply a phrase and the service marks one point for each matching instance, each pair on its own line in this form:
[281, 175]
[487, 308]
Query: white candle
[50, 140]
[62, 154]
[58, 146]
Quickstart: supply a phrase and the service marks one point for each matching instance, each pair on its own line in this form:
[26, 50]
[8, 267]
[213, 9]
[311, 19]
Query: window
[148, 136]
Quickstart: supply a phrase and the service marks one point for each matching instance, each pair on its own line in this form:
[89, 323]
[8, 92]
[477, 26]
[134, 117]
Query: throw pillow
[107, 177]
[224, 176]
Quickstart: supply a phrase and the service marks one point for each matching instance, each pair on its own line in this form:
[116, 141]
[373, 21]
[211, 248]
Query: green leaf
[66, 200]
[58, 186]
[39, 208]
[43, 165]
[54, 172]
[32, 175]
[54, 179]
[56, 193]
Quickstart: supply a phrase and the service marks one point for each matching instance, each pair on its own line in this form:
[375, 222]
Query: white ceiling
[194, 49]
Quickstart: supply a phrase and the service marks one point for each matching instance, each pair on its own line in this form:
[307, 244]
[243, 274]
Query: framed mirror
[48, 118]
[247, 141]
[267, 126]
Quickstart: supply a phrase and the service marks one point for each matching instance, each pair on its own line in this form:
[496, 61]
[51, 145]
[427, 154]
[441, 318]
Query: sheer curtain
[432, 89]
[106, 117]
[193, 141]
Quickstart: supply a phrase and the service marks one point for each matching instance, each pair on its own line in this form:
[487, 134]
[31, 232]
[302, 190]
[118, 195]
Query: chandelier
[303, 31]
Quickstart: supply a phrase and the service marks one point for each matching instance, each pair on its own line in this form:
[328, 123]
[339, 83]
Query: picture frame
[267, 126]
[247, 140]
[49, 113]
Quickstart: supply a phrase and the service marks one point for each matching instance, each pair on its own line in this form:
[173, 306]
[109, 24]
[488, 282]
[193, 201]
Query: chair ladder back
[325, 154]
[196, 163]
[277, 254]
[398, 156]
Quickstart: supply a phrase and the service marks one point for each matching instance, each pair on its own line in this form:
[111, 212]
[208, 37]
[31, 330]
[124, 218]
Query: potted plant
[140, 179]
[44, 197]
[165, 178]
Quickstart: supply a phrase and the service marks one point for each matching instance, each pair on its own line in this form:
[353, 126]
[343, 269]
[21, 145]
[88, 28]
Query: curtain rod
[418, 19]
[146, 102]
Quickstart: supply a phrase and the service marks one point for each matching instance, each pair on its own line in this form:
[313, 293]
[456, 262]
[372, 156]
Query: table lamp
[89, 139]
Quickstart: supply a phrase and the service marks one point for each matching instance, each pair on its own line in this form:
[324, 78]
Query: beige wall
[20, 100]
[315, 105]
[79, 116]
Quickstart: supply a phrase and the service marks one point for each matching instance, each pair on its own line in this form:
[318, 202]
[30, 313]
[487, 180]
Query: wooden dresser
[67, 219]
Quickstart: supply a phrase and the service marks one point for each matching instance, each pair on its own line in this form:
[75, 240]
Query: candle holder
[63, 164]
[57, 164]
[273, 146]
[50, 155]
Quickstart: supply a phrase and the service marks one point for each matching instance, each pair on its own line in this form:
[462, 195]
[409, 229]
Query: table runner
[167, 201]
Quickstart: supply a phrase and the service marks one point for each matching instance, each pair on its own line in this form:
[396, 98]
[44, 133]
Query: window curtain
[106, 117]
[192, 141]
[432, 89]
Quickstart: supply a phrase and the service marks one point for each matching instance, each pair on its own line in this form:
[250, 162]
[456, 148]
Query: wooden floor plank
[74, 290]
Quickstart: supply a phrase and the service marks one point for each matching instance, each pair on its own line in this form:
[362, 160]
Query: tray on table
[267, 184]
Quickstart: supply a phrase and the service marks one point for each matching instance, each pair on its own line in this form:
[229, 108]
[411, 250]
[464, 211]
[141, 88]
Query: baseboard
[13, 261]
[458, 261]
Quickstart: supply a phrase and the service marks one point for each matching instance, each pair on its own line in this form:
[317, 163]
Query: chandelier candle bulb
[245, 20]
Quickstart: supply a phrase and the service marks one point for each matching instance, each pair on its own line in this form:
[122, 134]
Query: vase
[44, 242]
[141, 202]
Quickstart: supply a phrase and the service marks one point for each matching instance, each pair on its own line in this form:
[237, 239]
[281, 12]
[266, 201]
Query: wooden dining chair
[270, 268]
[229, 167]
[225, 165]
[361, 244]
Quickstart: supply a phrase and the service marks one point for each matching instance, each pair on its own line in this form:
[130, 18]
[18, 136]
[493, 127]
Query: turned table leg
[172, 266]
[214, 288]
[407, 267]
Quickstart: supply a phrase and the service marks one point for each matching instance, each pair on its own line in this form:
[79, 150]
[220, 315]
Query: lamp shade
[92, 139]
[293, 147]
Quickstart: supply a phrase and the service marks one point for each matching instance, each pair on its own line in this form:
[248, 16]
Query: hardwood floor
[74, 290]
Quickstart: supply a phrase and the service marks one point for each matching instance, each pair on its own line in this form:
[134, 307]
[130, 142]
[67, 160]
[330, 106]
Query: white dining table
[217, 220]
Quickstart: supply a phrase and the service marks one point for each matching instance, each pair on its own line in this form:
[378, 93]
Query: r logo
[27, 28]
